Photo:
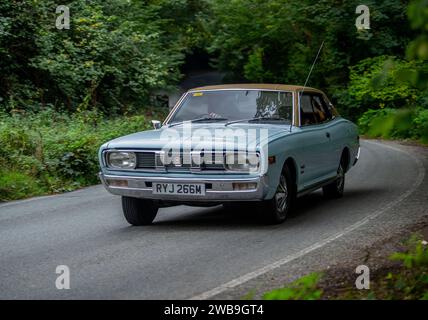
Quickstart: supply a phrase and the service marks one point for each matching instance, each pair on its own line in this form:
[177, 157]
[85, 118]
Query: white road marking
[256, 273]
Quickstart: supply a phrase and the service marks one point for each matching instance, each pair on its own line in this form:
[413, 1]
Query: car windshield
[235, 105]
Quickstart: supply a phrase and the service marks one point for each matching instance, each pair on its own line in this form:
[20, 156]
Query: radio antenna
[307, 78]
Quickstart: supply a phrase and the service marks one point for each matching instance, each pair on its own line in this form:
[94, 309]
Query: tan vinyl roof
[262, 86]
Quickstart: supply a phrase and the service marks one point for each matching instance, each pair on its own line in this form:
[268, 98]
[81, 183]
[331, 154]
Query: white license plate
[179, 188]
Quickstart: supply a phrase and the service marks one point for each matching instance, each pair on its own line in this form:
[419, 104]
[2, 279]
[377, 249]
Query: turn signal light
[117, 183]
[244, 186]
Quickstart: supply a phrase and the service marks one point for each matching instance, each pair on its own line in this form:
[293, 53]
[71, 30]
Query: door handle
[327, 134]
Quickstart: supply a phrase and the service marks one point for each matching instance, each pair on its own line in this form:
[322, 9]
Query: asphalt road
[188, 252]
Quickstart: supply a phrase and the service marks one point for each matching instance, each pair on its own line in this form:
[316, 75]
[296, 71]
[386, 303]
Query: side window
[321, 108]
[314, 109]
[307, 116]
[330, 107]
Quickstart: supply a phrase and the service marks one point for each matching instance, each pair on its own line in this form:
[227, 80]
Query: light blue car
[258, 144]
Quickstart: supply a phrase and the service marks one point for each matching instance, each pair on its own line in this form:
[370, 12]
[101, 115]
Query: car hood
[200, 134]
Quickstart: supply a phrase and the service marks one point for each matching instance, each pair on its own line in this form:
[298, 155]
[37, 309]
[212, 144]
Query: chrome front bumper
[216, 189]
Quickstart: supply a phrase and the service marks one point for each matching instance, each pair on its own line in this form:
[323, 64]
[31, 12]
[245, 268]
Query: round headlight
[122, 160]
[242, 162]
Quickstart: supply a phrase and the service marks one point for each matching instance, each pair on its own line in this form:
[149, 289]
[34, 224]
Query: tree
[114, 56]
[276, 41]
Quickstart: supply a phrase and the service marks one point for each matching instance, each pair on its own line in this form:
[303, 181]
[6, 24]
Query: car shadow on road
[315, 203]
[307, 207]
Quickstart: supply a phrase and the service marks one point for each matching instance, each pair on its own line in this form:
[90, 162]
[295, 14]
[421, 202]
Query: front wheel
[139, 212]
[276, 210]
[336, 188]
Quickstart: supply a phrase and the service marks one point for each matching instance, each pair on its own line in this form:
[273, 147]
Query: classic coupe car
[257, 144]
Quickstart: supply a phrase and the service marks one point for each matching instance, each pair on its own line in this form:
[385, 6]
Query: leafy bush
[395, 123]
[276, 41]
[52, 152]
[377, 80]
[421, 125]
[115, 55]
[412, 281]
[15, 185]
[418, 48]
[416, 256]
[304, 288]
[376, 83]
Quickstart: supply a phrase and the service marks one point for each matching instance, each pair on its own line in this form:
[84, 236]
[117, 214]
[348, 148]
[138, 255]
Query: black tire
[139, 212]
[276, 210]
[335, 189]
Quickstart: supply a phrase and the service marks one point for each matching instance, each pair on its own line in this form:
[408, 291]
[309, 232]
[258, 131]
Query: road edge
[281, 262]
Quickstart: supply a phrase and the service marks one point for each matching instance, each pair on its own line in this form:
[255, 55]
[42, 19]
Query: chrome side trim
[221, 188]
[316, 186]
[168, 117]
[357, 157]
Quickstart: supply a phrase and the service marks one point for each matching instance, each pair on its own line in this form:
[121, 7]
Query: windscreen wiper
[198, 120]
[256, 119]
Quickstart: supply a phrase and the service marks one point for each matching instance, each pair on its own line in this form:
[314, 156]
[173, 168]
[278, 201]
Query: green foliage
[375, 80]
[61, 88]
[377, 83]
[276, 41]
[305, 288]
[418, 48]
[406, 281]
[421, 125]
[16, 185]
[107, 56]
[254, 70]
[395, 123]
[387, 81]
[416, 256]
[418, 15]
[115, 55]
[412, 282]
[52, 152]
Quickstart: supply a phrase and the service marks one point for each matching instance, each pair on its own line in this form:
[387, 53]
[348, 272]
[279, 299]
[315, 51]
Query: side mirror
[156, 124]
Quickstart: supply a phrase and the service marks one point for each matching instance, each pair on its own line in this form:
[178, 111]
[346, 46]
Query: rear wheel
[276, 210]
[139, 212]
[336, 188]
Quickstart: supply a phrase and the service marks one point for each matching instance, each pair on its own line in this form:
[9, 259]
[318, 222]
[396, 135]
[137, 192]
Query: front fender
[282, 150]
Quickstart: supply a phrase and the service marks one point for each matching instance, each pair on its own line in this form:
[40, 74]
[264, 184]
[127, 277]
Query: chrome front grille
[146, 160]
[181, 162]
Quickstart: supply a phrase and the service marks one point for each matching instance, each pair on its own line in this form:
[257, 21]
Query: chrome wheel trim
[340, 182]
[281, 195]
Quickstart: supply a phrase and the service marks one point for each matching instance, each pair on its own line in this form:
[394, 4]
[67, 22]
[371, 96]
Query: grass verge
[51, 152]
[402, 275]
